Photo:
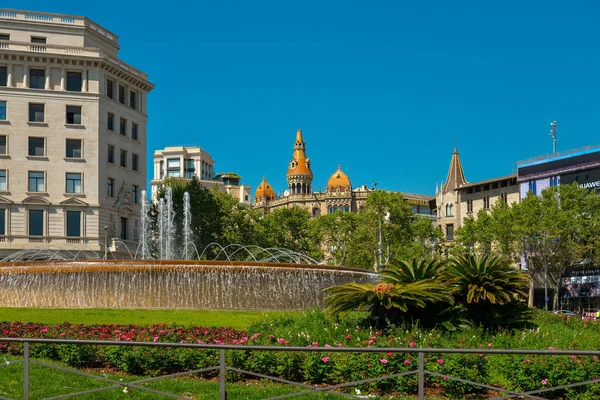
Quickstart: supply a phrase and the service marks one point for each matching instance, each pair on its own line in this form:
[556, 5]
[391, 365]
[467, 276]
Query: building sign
[418, 202]
[587, 179]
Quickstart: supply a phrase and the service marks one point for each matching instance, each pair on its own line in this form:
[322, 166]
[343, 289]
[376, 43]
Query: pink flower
[440, 361]
[445, 378]
[551, 348]
[62, 334]
[411, 344]
[389, 354]
[45, 330]
[573, 357]
[544, 381]
[383, 361]
[595, 358]
[156, 338]
[271, 337]
[406, 362]
[326, 345]
[348, 337]
[325, 359]
[200, 342]
[315, 344]
[490, 344]
[281, 340]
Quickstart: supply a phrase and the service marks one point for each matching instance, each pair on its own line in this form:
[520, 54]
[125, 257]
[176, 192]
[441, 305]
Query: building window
[470, 206]
[3, 76]
[36, 223]
[132, 99]
[74, 81]
[3, 110]
[123, 160]
[74, 115]
[449, 210]
[450, 232]
[2, 222]
[134, 161]
[73, 182]
[4, 37]
[121, 94]
[111, 154]
[36, 146]
[38, 39]
[73, 223]
[134, 131]
[110, 122]
[533, 187]
[3, 180]
[173, 168]
[3, 146]
[37, 78]
[553, 181]
[135, 194]
[162, 169]
[124, 223]
[190, 168]
[36, 181]
[123, 127]
[111, 187]
[504, 197]
[36, 112]
[486, 203]
[110, 89]
[73, 148]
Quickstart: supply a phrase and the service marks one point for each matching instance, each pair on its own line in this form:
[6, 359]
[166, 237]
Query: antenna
[553, 134]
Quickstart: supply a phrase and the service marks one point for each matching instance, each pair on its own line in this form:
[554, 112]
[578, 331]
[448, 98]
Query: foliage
[487, 286]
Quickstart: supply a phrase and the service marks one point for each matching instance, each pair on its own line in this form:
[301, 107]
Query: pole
[222, 391]
[26, 371]
[379, 250]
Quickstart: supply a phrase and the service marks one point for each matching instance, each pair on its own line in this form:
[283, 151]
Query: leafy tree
[336, 233]
[287, 228]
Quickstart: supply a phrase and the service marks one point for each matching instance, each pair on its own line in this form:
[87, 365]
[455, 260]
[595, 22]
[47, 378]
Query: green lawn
[47, 382]
[234, 319]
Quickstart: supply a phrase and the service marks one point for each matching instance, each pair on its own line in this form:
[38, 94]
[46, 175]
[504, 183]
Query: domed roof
[340, 179]
[300, 164]
[264, 190]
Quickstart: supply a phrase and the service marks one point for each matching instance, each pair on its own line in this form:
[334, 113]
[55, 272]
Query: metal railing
[222, 368]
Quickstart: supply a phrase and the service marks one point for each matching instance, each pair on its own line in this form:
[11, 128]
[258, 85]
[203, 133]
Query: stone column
[26, 75]
[63, 75]
[84, 81]
[47, 81]
[9, 80]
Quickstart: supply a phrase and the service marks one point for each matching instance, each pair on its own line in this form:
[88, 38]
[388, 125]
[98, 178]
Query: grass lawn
[217, 318]
[47, 382]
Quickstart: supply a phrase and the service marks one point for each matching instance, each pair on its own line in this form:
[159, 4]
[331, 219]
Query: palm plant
[489, 287]
[402, 294]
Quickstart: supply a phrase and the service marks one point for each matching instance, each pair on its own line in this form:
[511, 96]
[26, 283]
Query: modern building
[578, 165]
[339, 193]
[186, 162]
[457, 199]
[72, 136]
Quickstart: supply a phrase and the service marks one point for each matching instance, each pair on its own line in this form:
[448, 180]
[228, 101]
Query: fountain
[240, 277]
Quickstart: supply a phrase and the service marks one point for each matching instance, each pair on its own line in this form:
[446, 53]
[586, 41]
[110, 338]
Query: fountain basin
[155, 284]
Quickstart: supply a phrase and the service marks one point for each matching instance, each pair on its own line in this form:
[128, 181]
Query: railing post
[421, 376]
[26, 371]
[222, 391]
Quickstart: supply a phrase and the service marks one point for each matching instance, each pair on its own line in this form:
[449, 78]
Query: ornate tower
[299, 175]
[447, 198]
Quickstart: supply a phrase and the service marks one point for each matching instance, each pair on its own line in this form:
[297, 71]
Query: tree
[336, 232]
[287, 228]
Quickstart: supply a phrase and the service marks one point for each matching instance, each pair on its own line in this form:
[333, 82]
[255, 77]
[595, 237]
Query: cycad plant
[401, 294]
[490, 289]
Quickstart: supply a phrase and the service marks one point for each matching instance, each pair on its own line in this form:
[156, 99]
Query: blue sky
[387, 89]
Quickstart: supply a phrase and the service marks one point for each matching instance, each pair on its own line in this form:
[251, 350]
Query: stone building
[339, 193]
[187, 162]
[72, 136]
[457, 199]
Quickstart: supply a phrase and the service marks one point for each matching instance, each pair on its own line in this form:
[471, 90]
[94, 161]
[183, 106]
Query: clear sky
[387, 89]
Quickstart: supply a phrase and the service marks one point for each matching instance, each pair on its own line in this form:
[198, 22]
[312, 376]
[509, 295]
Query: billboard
[587, 179]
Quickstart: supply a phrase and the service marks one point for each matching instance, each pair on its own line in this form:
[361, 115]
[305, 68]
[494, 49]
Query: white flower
[125, 389]
[357, 392]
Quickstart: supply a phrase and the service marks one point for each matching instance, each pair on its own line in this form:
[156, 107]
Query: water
[187, 227]
[170, 284]
[145, 234]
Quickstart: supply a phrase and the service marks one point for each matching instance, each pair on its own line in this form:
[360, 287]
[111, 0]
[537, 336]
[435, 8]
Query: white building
[72, 135]
[187, 162]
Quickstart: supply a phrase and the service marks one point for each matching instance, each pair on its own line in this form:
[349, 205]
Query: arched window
[347, 208]
[451, 210]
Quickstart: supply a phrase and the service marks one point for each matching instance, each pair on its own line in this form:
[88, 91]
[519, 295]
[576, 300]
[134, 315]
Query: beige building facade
[72, 136]
[339, 193]
[457, 199]
[186, 162]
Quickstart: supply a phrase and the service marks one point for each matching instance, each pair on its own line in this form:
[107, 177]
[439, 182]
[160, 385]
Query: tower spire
[456, 175]
[553, 134]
